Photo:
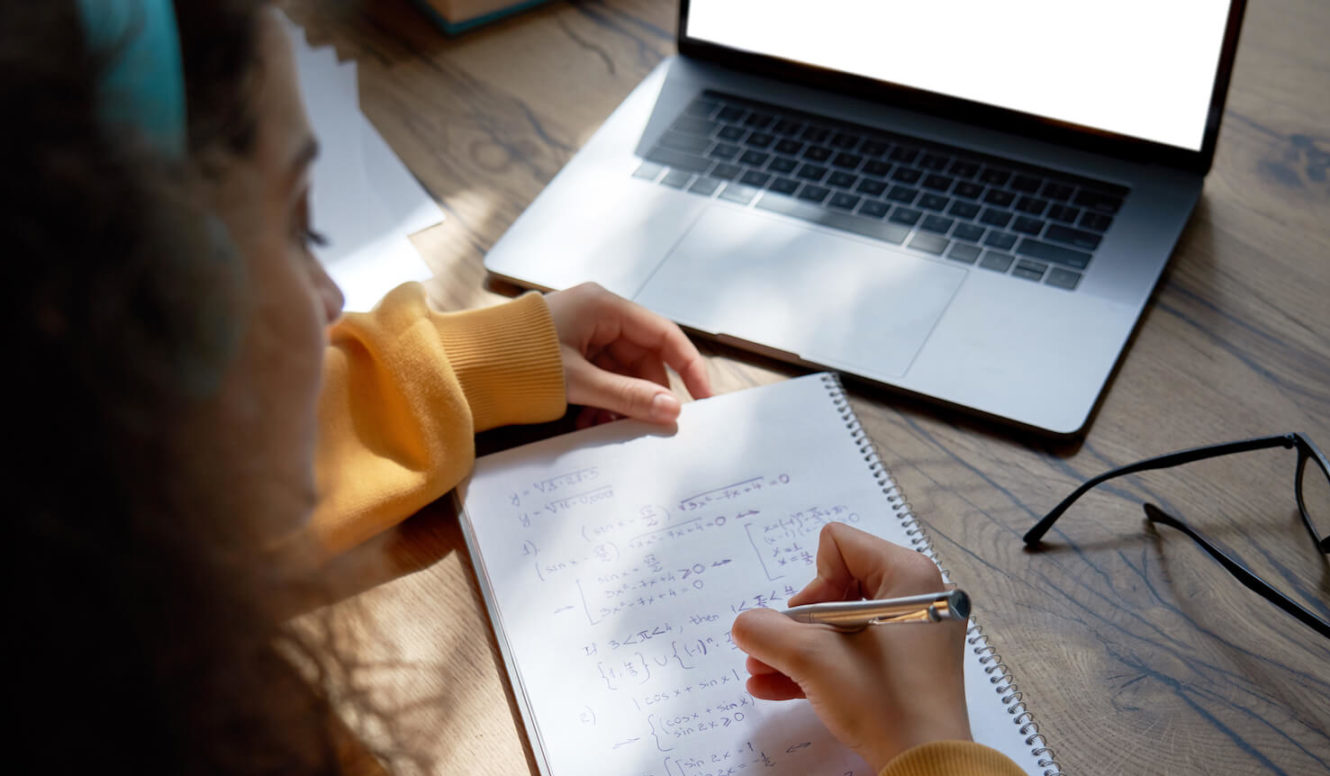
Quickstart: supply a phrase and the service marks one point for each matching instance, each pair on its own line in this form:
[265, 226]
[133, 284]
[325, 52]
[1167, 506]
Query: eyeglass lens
[1315, 495]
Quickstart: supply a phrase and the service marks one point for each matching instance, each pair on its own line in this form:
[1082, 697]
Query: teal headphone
[144, 85]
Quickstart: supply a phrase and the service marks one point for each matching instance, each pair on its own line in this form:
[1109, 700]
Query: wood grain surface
[1137, 653]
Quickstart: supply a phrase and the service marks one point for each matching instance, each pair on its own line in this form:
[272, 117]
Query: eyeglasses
[1311, 485]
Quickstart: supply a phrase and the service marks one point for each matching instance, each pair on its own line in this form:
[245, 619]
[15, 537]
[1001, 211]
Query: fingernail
[665, 407]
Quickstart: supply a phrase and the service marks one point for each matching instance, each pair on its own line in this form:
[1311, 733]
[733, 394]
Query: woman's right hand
[882, 690]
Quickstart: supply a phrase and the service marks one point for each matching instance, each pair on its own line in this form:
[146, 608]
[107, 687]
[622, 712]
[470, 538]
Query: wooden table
[1137, 653]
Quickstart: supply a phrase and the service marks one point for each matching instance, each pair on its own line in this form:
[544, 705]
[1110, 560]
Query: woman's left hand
[615, 353]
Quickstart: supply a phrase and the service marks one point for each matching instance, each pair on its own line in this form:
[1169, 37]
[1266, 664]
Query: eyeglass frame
[1307, 450]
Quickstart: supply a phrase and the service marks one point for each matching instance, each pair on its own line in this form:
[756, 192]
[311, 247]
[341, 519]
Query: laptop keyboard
[996, 214]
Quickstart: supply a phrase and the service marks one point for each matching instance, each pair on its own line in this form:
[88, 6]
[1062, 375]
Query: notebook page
[616, 558]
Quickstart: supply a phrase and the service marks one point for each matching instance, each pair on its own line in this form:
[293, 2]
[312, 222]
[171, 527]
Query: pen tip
[960, 604]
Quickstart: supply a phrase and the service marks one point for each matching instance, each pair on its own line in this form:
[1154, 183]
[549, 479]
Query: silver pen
[850, 616]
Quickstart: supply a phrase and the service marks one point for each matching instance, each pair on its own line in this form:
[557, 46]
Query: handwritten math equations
[617, 558]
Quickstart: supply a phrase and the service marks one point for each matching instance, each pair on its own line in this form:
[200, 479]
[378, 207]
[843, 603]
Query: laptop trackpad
[830, 298]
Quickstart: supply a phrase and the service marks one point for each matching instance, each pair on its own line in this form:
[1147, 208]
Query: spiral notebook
[614, 559]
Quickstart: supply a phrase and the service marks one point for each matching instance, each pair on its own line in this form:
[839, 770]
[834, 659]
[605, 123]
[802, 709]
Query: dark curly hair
[136, 629]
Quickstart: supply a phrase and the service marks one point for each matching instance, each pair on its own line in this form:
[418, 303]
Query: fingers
[777, 645]
[633, 397]
[852, 564]
[632, 348]
[627, 358]
[774, 687]
[654, 333]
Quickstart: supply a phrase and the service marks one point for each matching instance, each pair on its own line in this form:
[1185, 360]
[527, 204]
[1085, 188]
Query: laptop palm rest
[830, 299]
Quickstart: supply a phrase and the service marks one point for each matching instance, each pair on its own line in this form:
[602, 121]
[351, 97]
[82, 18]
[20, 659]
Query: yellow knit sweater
[405, 391]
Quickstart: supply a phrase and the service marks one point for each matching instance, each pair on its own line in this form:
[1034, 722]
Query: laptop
[965, 200]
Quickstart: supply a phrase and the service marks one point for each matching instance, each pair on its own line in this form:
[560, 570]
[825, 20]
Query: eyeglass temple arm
[1036, 533]
[1243, 574]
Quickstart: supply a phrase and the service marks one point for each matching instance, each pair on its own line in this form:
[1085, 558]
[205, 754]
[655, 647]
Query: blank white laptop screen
[1140, 68]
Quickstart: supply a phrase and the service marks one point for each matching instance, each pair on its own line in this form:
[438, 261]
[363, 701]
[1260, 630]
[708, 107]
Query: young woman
[194, 424]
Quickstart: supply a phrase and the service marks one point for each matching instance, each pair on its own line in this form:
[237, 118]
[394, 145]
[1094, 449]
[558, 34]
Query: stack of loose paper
[363, 200]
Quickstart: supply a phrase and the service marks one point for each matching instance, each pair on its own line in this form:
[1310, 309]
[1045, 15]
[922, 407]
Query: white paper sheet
[615, 559]
[364, 200]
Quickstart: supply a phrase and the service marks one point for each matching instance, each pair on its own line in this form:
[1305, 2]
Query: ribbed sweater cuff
[506, 359]
[954, 758]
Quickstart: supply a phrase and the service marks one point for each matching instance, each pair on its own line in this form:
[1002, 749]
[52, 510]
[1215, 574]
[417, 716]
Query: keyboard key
[724, 152]
[847, 161]
[843, 201]
[737, 192]
[845, 140]
[870, 187]
[933, 202]
[994, 176]
[963, 252]
[873, 148]
[999, 197]
[964, 209]
[903, 153]
[1028, 225]
[760, 140]
[1096, 221]
[694, 126]
[1064, 213]
[677, 178]
[731, 133]
[754, 158]
[815, 134]
[730, 113]
[1094, 200]
[678, 160]
[929, 243]
[1063, 278]
[938, 182]
[755, 178]
[815, 153]
[726, 171]
[786, 127]
[784, 185]
[759, 120]
[1000, 240]
[679, 141]
[1058, 191]
[963, 169]
[648, 171]
[880, 169]
[903, 194]
[812, 172]
[968, 190]
[1074, 237]
[995, 217]
[1032, 205]
[935, 162]
[873, 208]
[842, 180]
[1029, 270]
[906, 175]
[701, 108]
[1026, 183]
[1054, 253]
[813, 193]
[789, 147]
[704, 186]
[868, 227]
[905, 215]
[939, 224]
[997, 261]
[782, 165]
[968, 232]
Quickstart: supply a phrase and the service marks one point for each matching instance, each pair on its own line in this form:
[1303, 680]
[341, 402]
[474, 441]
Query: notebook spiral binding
[1003, 683]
